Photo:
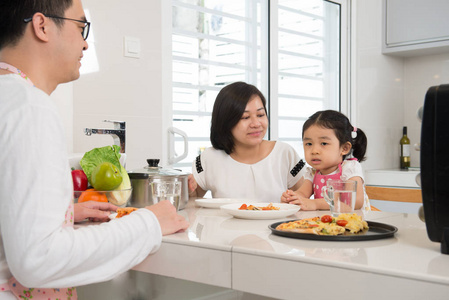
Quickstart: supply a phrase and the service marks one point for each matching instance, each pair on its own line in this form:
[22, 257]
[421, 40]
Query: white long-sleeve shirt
[35, 191]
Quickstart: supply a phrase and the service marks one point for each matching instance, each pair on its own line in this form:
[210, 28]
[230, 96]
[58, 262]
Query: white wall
[389, 90]
[137, 91]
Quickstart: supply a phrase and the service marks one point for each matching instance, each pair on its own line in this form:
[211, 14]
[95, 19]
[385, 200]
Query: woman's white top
[35, 191]
[264, 181]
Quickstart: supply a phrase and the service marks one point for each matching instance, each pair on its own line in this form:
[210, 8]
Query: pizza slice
[326, 225]
[124, 211]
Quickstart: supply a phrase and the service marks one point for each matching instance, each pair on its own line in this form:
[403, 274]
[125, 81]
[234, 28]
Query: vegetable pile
[105, 174]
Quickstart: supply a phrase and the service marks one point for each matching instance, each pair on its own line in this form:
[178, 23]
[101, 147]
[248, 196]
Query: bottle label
[405, 150]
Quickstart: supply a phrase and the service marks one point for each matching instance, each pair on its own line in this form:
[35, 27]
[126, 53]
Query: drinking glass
[340, 195]
[166, 190]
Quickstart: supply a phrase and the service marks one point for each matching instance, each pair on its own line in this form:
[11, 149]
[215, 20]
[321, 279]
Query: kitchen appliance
[435, 164]
[141, 180]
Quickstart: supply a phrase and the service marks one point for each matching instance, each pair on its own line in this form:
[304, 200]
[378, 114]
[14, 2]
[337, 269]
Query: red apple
[79, 180]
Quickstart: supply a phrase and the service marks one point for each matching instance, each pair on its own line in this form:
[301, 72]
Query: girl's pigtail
[359, 144]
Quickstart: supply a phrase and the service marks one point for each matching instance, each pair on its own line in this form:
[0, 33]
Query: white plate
[284, 211]
[216, 202]
[112, 216]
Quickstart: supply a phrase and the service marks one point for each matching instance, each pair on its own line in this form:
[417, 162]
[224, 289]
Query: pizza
[326, 225]
[124, 211]
[252, 207]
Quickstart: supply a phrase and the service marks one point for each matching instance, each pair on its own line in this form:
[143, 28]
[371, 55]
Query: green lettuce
[97, 156]
[110, 154]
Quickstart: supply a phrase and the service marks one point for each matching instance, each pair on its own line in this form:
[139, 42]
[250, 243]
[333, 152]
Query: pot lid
[152, 169]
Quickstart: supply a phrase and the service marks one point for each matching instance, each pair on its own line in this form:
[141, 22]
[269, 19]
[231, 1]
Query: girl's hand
[289, 196]
[306, 204]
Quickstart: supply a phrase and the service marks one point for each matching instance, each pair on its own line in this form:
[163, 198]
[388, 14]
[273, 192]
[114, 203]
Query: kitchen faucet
[118, 133]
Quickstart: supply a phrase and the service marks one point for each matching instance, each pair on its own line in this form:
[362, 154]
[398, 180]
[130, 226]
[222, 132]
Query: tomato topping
[244, 206]
[342, 223]
[92, 195]
[326, 219]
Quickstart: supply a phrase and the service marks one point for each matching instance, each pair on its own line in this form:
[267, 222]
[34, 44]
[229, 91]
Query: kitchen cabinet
[394, 190]
[243, 255]
[229, 256]
[415, 27]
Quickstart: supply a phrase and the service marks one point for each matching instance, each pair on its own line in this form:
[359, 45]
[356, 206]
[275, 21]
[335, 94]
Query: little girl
[334, 149]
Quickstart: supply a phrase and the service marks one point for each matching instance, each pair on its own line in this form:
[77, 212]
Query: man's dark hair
[229, 107]
[13, 13]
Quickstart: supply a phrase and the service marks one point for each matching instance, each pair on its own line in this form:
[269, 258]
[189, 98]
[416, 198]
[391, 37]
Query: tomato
[105, 177]
[244, 206]
[326, 219]
[342, 223]
[92, 195]
[79, 180]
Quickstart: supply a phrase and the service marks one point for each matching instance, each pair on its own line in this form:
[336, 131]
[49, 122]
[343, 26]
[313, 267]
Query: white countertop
[392, 178]
[220, 250]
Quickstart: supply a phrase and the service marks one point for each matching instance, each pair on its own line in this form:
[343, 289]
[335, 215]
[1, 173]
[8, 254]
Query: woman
[240, 163]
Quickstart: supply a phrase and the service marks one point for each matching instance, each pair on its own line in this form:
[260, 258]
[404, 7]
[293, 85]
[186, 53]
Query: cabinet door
[415, 24]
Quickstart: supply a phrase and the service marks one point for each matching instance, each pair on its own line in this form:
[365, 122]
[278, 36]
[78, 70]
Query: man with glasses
[41, 254]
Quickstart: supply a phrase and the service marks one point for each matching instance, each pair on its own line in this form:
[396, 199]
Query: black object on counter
[435, 164]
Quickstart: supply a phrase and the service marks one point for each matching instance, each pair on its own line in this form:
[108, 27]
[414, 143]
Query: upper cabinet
[415, 27]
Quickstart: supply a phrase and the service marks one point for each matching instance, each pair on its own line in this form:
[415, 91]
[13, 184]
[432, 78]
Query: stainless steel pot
[141, 180]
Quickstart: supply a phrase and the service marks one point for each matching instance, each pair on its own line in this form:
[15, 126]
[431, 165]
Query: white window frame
[346, 106]
[347, 67]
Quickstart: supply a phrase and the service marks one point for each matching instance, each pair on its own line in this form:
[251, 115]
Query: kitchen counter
[392, 178]
[243, 255]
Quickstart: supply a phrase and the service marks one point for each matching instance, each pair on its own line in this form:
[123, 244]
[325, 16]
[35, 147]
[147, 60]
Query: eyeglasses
[84, 33]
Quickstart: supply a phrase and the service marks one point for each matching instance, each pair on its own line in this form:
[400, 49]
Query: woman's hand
[93, 210]
[192, 183]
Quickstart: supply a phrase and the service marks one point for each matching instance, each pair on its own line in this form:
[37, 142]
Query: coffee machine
[435, 164]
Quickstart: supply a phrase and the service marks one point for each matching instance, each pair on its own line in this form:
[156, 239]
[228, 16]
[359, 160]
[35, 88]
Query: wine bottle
[405, 150]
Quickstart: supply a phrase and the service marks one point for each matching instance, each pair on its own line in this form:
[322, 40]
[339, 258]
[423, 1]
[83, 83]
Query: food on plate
[124, 211]
[93, 158]
[326, 225]
[79, 179]
[105, 177]
[252, 207]
[92, 195]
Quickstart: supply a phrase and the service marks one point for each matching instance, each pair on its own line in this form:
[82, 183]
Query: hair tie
[354, 133]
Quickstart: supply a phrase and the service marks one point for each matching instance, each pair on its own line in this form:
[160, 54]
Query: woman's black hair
[343, 129]
[229, 107]
[14, 12]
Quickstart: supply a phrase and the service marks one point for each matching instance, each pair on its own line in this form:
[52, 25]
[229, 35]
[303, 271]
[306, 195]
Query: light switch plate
[131, 47]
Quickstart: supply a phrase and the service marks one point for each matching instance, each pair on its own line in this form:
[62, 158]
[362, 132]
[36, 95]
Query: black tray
[376, 231]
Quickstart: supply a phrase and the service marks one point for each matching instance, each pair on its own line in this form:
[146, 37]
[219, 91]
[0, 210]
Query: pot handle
[173, 158]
